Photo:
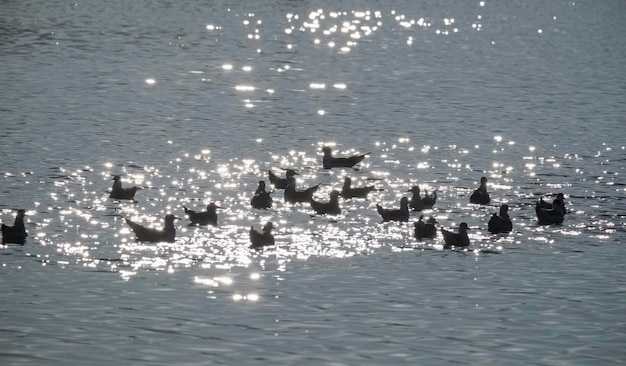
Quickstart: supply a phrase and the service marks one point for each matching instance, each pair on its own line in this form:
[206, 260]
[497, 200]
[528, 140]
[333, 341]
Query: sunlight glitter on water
[300, 234]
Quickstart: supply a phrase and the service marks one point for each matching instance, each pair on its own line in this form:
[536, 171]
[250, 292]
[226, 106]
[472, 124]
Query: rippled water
[195, 102]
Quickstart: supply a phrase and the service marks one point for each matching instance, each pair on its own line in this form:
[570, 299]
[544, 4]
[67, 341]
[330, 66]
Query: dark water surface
[194, 102]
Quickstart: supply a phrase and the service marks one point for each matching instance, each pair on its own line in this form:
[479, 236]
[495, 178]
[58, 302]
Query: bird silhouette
[15, 234]
[555, 214]
[480, 195]
[292, 195]
[328, 208]
[458, 240]
[425, 230]
[167, 234]
[559, 201]
[401, 214]
[262, 239]
[262, 198]
[119, 193]
[500, 223]
[208, 217]
[343, 162]
[419, 203]
[278, 182]
[347, 191]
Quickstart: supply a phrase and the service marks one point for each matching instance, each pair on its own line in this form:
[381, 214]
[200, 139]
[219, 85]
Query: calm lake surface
[195, 101]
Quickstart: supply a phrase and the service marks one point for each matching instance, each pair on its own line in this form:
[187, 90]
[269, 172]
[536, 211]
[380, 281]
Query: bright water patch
[82, 221]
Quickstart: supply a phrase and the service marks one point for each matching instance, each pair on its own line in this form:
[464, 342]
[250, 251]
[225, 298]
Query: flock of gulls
[547, 212]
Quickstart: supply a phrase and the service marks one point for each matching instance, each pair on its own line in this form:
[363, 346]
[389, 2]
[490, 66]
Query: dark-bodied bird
[168, 234]
[292, 195]
[425, 230]
[480, 195]
[119, 193]
[328, 208]
[347, 191]
[500, 223]
[208, 217]
[15, 234]
[458, 240]
[559, 202]
[261, 239]
[419, 203]
[345, 162]
[278, 182]
[262, 198]
[553, 215]
[401, 214]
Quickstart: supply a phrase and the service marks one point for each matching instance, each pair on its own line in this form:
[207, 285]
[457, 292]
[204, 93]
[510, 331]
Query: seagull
[261, 239]
[553, 215]
[426, 229]
[419, 203]
[291, 195]
[331, 162]
[15, 234]
[559, 200]
[459, 240]
[358, 192]
[278, 182]
[480, 195]
[119, 193]
[261, 198]
[168, 234]
[502, 223]
[329, 208]
[208, 217]
[401, 214]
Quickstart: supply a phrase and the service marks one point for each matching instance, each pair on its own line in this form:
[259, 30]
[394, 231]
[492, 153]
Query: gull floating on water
[168, 234]
[458, 240]
[328, 208]
[424, 230]
[480, 195]
[553, 214]
[502, 223]
[292, 195]
[15, 234]
[262, 198]
[278, 182]
[344, 162]
[208, 217]
[347, 191]
[419, 203]
[262, 239]
[559, 200]
[401, 214]
[119, 193]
